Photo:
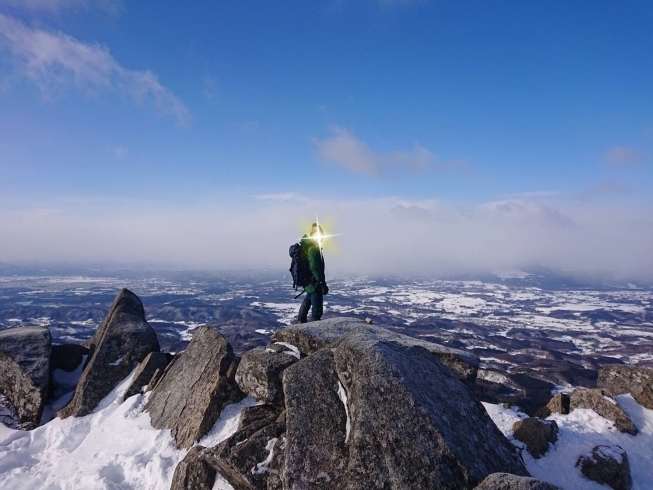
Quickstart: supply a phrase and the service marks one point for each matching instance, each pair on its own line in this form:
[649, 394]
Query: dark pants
[313, 299]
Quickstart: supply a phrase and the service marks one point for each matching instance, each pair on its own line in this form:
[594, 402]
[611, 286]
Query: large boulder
[313, 336]
[536, 434]
[120, 344]
[259, 373]
[593, 399]
[604, 405]
[193, 472]
[317, 425]
[637, 381]
[25, 371]
[506, 481]
[153, 362]
[374, 411]
[199, 383]
[607, 465]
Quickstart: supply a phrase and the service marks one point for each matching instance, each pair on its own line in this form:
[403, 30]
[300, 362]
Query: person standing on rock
[316, 290]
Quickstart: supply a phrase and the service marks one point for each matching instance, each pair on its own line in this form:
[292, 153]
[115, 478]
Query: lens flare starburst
[320, 236]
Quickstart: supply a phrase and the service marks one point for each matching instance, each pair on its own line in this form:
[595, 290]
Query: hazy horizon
[436, 137]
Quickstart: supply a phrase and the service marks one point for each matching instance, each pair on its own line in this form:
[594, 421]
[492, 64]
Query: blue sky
[483, 122]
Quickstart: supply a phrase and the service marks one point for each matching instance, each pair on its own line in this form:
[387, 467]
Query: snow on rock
[343, 398]
[579, 432]
[294, 351]
[264, 466]
[115, 447]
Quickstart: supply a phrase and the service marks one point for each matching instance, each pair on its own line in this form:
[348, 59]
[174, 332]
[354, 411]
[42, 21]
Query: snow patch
[116, 362]
[294, 351]
[264, 467]
[343, 398]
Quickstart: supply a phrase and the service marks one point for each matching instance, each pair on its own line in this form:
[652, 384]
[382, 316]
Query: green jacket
[315, 262]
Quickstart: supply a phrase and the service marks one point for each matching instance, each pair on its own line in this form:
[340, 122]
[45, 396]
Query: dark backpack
[299, 269]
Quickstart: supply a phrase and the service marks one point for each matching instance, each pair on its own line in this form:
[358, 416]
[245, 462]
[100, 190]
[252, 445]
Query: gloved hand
[325, 288]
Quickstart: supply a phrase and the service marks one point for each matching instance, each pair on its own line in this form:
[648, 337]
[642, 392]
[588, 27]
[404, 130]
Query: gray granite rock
[316, 425]
[618, 380]
[192, 393]
[593, 399]
[119, 345]
[536, 434]
[603, 404]
[193, 472]
[246, 459]
[259, 374]
[506, 481]
[312, 336]
[25, 371]
[372, 412]
[154, 361]
[607, 465]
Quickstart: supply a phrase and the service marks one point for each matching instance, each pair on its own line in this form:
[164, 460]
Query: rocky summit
[120, 343]
[310, 337]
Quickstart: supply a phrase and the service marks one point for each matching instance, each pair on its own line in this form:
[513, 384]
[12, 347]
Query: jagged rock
[506, 481]
[155, 361]
[536, 434]
[607, 465]
[25, 371]
[604, 405]
[246, 459]
[67, 357]
[193, 472]
[313, 336]
[259, 374]
[594, 399]
[316, 424]
[156, 377]
[120, 343]
[374, 412]
[637, 381]
[261, 415]
[199, 383]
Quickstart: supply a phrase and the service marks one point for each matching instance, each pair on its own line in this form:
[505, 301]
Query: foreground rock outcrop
[372, 411]
[260, 370]
[25, 371]
[194, 472]
[506, 481]
[247, 459]
[618, 380]
[313, 336]
[607, 465]
[120, 343]
[196, 386]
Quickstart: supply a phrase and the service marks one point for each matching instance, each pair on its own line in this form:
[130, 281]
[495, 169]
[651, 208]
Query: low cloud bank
[379, 236]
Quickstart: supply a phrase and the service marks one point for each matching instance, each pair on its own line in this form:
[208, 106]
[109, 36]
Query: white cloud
[379, 236]
[603, 189]
[58, 5]
[54, 60]
[623, 156]
[347, 151]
